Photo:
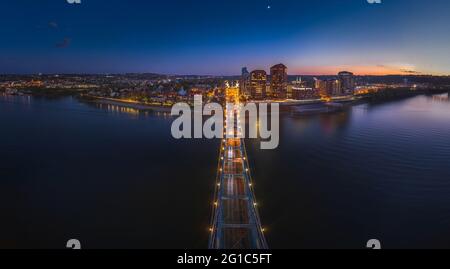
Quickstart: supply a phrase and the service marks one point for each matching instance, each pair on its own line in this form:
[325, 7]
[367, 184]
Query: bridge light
[255, 204]
[263, 230]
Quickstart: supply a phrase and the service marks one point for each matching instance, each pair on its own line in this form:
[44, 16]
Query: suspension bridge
[235, 220]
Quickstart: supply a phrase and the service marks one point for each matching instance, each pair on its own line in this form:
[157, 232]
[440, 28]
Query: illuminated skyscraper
[347, 81]
[334, 87]
[258, 80]
[279, 81]
[328, 87]
[321, 87]
[244, 81]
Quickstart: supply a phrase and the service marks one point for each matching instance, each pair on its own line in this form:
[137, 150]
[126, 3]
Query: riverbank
[125, 103]
[338, 104]
[43, 92]
[299, 107]
[319, 108]
[394, 94]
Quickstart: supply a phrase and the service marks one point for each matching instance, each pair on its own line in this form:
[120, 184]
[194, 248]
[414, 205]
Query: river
[112, 177]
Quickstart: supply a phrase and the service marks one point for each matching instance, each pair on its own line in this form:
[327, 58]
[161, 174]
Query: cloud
[64, 44]
[53, 25]
[412, 72]
[399, 68]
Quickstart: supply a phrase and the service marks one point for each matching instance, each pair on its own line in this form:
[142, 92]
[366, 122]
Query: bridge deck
[236, 224]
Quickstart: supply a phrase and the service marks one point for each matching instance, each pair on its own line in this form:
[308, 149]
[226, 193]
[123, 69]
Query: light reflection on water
[118, 109]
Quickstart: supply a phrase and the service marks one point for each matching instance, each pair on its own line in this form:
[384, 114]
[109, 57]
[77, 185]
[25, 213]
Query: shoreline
[284, 105]
[127, 104]
[299, 107]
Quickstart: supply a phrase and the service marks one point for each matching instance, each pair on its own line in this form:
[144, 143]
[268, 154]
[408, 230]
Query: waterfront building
[320, 86]
[304, 93]
[347, 80]
[279, 81]
[258, 80]
[296, 90]
[268, 89]
[328, 87]
[334, 87]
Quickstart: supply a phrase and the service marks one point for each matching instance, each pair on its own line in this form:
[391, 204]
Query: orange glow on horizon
[376, 70]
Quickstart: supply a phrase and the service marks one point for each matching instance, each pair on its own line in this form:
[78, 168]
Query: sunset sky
[220, 37]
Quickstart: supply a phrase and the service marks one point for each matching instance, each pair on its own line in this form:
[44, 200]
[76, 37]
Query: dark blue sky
[220, 36]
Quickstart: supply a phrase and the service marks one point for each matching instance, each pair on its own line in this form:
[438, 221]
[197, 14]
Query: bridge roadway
[235, 222]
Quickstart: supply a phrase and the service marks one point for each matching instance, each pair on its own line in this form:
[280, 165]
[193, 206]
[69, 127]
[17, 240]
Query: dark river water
[114, 178]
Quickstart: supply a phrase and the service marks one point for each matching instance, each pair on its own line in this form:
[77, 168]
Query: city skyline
[204, 38]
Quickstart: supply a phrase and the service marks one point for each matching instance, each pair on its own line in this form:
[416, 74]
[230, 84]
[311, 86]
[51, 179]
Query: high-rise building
[321, 87]
[328, 87]
[244, 81]
[245, 71]
[347, 80]
[334, 87]
[268, 89]
[258, 80]
[279, 81]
